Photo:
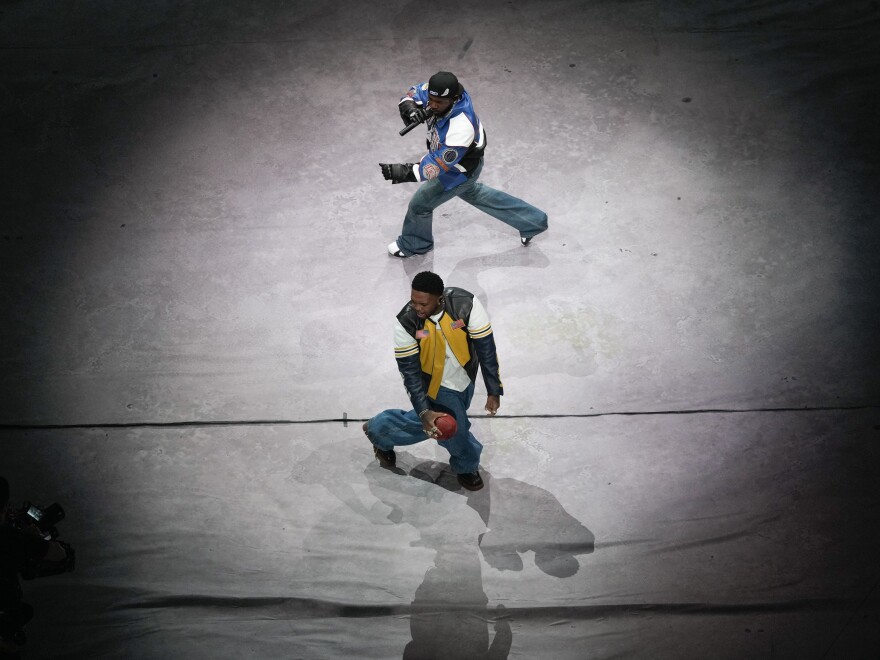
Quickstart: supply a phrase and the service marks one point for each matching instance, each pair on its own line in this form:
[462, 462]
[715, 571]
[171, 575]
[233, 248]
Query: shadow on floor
[450, 615]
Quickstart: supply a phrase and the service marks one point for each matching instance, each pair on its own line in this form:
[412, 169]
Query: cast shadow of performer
[449, 615]
[469, 269]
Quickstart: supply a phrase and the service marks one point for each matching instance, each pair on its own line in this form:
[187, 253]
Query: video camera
[30, 516]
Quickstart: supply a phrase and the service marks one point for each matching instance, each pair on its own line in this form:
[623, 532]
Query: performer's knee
[418, 207]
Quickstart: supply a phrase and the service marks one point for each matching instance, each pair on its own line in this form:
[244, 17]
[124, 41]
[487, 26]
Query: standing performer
[441, 336]
[456, 141]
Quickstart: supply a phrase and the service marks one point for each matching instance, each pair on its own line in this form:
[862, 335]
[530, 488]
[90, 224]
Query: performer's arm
[412, 107]
[459, 137]
[480, 331]
[406, 351]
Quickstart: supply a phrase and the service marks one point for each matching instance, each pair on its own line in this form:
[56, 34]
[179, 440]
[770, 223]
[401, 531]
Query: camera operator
[23, 551]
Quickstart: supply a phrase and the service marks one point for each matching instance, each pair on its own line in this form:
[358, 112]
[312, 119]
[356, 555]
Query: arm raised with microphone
[412, 115]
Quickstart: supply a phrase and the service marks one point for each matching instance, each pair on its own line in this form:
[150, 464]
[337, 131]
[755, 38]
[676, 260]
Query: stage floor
[198, 316]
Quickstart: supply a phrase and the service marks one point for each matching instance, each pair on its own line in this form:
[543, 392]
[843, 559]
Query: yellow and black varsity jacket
[478, 350]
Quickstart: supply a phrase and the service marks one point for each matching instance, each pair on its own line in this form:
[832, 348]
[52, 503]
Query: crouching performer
[442, 337]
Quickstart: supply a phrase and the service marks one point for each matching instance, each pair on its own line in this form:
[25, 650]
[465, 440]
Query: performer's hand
[387, 170]
[398, 172]
[493, 403]
[428, 420]
[418, 115]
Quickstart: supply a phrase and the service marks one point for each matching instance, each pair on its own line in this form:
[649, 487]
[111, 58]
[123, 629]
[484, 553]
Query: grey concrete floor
[198, 311]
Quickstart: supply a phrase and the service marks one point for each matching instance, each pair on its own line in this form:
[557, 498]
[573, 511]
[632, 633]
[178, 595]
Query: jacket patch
[450, 155]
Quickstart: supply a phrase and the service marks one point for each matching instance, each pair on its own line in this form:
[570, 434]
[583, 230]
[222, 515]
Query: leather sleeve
[488, 358]
[411, 371]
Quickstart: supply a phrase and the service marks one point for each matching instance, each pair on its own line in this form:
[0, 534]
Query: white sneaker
[395, 251]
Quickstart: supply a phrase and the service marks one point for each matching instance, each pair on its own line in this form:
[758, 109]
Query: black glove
[398, 172]
[419, 115]
[412, 113]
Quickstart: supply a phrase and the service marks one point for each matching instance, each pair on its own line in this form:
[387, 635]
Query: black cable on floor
[345, 419]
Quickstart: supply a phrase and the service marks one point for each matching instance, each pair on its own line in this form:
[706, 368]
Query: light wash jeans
[393, 428]
[417, 236]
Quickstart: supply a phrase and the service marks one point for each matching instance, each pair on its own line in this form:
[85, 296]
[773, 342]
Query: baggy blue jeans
[417, 236]
[393, 428]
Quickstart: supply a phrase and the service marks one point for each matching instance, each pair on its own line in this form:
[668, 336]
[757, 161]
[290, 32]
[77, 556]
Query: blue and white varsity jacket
[455, 140]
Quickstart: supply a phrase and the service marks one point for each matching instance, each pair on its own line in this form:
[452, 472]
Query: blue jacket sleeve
[411, 371]
[439, 161]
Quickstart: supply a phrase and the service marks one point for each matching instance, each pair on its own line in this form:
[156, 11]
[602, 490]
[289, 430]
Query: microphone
[406, 129]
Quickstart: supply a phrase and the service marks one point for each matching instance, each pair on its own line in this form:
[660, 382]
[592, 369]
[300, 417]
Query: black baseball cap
[444, 85]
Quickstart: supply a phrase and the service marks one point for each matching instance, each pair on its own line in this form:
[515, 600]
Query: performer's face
[424, 304]
[439, 106]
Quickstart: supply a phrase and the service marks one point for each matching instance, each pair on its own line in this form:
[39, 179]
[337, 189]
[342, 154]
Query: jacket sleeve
[411, 371]
[454, 145]
[406, 351]
[480, 331]
[485, 348]
[441, 160]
